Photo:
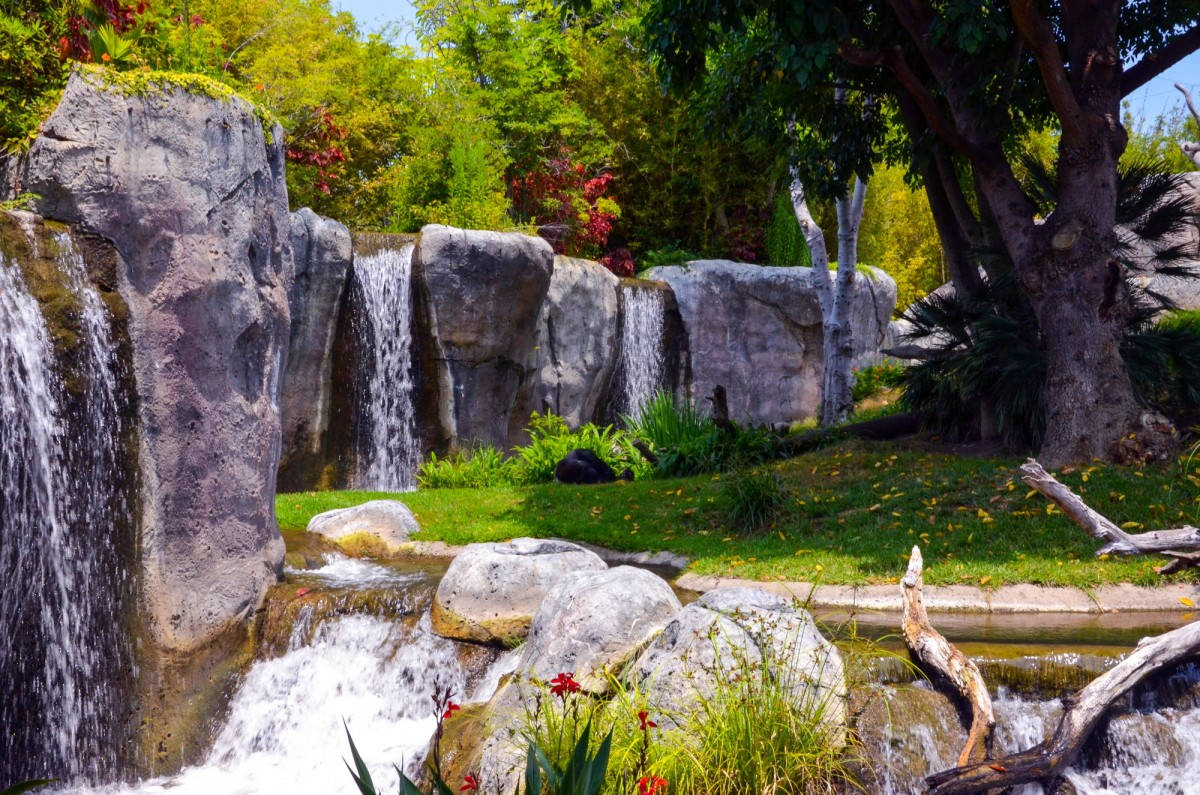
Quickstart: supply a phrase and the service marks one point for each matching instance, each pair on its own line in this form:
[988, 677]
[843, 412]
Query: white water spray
[642, 359]
[62, 580]
[387, 451]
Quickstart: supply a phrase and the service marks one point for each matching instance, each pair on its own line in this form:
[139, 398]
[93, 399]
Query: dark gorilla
[583, 467]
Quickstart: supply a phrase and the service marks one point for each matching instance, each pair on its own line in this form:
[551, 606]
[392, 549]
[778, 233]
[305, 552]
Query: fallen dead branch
[937, 654]
[1175, 542]
[1046, 761]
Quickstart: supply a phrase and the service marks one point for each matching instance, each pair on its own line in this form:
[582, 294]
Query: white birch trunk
[837, 400]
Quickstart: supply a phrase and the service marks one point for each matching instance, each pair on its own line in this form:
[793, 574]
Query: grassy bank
[851, 515]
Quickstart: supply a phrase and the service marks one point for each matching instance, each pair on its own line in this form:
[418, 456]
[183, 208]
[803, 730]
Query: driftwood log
[938, 655]
[1182, 544]
[1046, 761]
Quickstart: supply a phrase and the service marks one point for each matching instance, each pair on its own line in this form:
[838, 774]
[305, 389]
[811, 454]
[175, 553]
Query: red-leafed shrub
[319, 144]
[573, 211]
[619, 261]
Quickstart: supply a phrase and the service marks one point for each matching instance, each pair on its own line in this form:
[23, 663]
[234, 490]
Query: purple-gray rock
[191, 191]
[484, 291]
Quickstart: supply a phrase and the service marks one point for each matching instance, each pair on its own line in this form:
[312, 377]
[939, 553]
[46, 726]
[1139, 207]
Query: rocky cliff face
[191, 191]
[757, 331]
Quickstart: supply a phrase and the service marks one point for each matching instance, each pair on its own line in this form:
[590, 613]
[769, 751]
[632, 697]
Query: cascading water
[387, 447]
[284, 727]
[64, 541]
[642, 359]
[1145, 746]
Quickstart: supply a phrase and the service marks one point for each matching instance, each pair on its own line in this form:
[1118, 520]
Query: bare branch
[1099, 526]
[1034, 28]
[1046, 760]
[1155, 63]
[938, 654]
[1187, 97]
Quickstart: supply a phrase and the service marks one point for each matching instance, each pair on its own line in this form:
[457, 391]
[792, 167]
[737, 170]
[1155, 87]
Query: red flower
[564, 683]
[649, 785]
[451, 708]
[301, 591]
[646, 724]
[469, 783]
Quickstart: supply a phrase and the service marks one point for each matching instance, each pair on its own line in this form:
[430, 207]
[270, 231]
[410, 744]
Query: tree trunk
[1089, 400]
[837, 382]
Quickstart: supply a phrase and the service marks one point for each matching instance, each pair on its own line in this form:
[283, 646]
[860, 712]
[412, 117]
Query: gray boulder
[191, 191]
[587, 624]
[757, 331]
[490, 592]
[576, 345]
[594, 622]
[484, 291]
[322, 253]
[388, 523]
[730, 633]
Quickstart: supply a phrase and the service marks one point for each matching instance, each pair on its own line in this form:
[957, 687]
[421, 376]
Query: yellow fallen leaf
[1183, 600]
[782, 537]
[985, 579]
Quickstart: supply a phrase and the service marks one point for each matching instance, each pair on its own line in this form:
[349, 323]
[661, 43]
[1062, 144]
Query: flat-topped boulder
[490, 592]
[730, 633]
[484, 293]
[384, 525]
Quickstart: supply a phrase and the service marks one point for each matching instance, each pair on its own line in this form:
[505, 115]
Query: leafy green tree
[967, 79]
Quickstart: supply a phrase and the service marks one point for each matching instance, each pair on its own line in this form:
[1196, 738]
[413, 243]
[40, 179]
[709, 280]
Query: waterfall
[64, 587]
[387, 447]
[642, 359]
[283, 731]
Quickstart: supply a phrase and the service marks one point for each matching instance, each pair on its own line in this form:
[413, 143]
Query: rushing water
[1150, 743]
[284, 729]
[642, 355]
[387, 447]
[63, 585]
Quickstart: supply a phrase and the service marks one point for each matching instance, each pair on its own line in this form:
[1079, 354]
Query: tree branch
[937, 654]
[1034, 28]
[1155, 63]
[1098, 526]
[1084, 710]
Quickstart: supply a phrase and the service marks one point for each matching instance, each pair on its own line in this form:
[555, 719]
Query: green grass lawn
[853, 512]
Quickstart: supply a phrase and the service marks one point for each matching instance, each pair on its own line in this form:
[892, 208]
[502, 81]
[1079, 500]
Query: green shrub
[671, 255]
[479, 468]
[870, 381]
[748, 736]
[785, 240]
[754, 498]
[550, 439]
[31, 73]
[689, 443]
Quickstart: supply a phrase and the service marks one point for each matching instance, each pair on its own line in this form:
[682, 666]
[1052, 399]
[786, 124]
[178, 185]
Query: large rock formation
[484, 292]
[576, 346]
[491, 591]
[191, 191]
[322, 254]
[757, 331]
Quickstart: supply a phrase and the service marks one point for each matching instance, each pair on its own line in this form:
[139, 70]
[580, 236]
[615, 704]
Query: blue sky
[1156, 97]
